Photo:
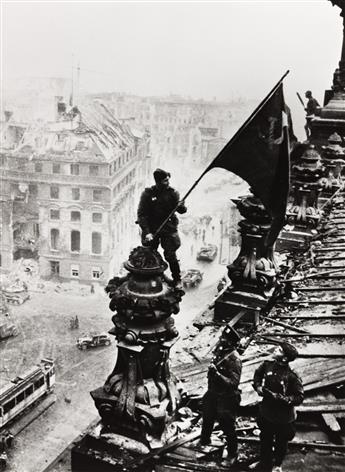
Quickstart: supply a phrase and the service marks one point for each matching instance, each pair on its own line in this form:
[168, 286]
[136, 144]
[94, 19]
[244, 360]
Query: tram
[26, 389]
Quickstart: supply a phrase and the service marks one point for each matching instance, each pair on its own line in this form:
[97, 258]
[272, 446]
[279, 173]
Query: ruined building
[69, 189]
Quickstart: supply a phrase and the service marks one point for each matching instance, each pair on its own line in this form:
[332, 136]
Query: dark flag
[259, 154]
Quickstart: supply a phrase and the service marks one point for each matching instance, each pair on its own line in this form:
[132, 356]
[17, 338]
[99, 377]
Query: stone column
[140, 396]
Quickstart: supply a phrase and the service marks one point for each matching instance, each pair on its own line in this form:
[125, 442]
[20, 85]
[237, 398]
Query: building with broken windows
[181, 128]
[69, 191]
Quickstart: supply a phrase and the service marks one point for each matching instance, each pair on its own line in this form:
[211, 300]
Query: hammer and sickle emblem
[269, 136]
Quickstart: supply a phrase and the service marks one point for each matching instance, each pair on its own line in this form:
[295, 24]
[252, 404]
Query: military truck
[93, 340]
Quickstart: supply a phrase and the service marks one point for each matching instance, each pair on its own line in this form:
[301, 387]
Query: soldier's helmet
[289, 351]
[160, 174]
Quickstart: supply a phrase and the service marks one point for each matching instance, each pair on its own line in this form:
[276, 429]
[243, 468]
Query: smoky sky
[197, 49]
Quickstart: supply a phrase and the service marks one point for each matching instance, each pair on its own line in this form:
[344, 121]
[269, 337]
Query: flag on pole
[259, 154]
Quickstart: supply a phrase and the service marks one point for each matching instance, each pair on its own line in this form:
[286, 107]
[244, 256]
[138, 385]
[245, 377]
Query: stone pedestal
[253, 272]
[140, 396]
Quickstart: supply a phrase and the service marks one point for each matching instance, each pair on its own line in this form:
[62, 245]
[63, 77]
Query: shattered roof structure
[87, 133]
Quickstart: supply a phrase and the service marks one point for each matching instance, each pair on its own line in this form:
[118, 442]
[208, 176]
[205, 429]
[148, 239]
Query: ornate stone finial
[140, 396]
[254, 267]
[333, 156]
[335, 139]
[253, 272]
[305, 188]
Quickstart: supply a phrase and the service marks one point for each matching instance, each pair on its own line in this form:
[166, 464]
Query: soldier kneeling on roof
[222, 399]
[281, 389]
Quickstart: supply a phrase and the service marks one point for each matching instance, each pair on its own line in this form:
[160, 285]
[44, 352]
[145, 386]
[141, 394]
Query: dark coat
[282, 390]
[230, 369]
[155, 205]
[312, 105]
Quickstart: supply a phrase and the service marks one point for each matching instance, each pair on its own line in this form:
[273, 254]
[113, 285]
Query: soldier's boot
[174, 269]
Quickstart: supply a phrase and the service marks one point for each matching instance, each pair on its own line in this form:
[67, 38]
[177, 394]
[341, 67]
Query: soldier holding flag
[158, 222]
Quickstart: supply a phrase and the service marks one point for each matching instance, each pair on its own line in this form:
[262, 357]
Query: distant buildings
[185, 130]
[69, 191]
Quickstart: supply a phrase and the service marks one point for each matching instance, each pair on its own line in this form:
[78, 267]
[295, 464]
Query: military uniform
[222, 399]
[310, 109]
[154, 207]
[282, 390]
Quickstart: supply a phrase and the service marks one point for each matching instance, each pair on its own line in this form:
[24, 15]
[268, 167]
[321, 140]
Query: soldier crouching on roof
[281, 389]
[222, 399]
[156, 203]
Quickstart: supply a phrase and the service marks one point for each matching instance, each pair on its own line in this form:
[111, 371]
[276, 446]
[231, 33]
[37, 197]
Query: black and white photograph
[172, 236]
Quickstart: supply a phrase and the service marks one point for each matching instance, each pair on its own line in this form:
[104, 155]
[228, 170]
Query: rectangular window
[38, 167]
[54, 267]
[75, 215]
[54, 214]
[54, 192]
[54, 239]
[74, 270]
[39, 383]
[21, 165]
[75, 193]
[56, 168]
[94, 170]
[96, 243]
[20, 398]
[96, 273]
[97, 195]
[9, 405]
[97, 217]
[32, 190]
[74, 169]
[29, 391]
[75, 241]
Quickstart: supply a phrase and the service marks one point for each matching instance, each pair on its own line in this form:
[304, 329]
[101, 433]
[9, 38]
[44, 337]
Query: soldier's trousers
[274, 440]
[170, 242]
[223, 410]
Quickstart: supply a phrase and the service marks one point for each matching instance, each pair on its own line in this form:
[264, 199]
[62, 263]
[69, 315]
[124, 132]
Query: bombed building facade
[69, 189]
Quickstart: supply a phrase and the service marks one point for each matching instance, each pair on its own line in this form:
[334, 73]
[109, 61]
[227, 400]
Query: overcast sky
[198, 49]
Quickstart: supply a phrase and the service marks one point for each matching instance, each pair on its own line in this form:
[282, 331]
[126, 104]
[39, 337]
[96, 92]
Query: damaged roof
[87, 133]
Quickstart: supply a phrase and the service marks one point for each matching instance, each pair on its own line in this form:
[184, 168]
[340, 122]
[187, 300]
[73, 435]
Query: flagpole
[235, 136]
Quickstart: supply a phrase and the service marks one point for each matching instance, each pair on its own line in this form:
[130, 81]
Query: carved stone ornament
[140, 395]
[254, 267]
[305, 189]
[333, 155]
